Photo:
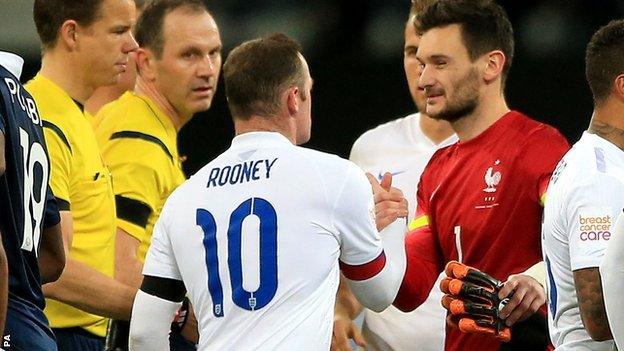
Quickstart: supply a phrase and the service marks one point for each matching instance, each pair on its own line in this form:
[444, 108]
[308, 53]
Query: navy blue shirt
[27, 204]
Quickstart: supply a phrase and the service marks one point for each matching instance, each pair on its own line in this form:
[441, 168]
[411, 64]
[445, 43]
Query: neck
[57, 67]
[101, 97]
[489, 110]
[607, 123]
[148, 89]
[265, 124]
[436, 130]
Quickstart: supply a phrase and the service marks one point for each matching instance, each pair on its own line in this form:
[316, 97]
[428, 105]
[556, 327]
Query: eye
[411, 51]
[189, 54]
[440, 64]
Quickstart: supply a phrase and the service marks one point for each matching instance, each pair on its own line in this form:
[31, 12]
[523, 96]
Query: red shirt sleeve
[543, 153]
[423, 257]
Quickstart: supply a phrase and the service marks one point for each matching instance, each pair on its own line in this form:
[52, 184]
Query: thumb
[386, 181]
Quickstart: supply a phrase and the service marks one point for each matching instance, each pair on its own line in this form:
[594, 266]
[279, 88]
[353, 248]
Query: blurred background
[355, 52]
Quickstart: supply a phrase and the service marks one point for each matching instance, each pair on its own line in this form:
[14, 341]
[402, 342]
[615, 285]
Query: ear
[69, 34]
[495, 61]
[145, 64]
[292, 100]
[618, 87]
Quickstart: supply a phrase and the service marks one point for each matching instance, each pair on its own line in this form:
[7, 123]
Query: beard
[466, 100]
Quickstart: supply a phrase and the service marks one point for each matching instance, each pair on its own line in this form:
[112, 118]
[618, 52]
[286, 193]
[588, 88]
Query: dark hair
[49, 16]
[149, 27]
[484, 26]
[257, 72]
[419, 6]
[140, 4]
[604, 59]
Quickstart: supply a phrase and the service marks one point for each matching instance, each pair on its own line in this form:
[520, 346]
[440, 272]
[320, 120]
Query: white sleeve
[374, 269]
[160, 260]
[591, 214]
[612, 276]
[354, 219]
[150, 323]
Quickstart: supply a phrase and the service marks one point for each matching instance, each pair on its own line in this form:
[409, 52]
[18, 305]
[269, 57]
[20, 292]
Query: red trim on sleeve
[366, 270]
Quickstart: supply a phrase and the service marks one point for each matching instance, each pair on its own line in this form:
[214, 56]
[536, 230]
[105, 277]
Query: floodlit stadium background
[355, 53]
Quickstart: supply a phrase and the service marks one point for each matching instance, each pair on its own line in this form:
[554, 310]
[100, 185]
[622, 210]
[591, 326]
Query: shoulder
[385, 131]
[537, 133]
[129, 112]
[323, 161]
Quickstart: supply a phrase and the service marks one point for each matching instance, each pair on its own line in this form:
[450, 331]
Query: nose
[426, 77]
[130, 44]
[208, 66]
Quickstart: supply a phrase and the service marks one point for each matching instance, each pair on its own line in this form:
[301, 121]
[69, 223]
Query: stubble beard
[467, 100]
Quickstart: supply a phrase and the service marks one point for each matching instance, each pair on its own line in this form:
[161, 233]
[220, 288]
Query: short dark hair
[149, 27]
[604, 59]
[49, 16]
[257, 72]
[419, 6]
[484, 26]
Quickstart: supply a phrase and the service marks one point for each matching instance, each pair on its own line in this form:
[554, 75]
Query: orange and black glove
[472, 301]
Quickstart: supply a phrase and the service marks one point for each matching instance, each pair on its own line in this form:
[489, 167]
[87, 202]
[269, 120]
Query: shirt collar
[602, 142]
[12, 62]
[259, 139]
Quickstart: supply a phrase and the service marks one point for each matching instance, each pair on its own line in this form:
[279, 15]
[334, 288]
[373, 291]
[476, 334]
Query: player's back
[266, 218]
[23, 191]
[577, 227]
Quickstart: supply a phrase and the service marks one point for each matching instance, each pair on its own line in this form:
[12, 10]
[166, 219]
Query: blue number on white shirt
[206, 221]
[249, 300]
[552, 290]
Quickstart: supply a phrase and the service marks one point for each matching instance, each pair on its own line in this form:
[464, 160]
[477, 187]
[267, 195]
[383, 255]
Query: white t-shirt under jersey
[256, 236]
[401, 148]
[584, 198]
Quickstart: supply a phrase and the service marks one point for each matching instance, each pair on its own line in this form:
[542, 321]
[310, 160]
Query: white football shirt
[584, 198]
[256, 236]
[401, 148]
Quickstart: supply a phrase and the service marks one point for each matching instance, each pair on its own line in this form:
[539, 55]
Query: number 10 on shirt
[249, 300]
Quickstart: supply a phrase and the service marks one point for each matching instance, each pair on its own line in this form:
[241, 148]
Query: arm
[2, 156]
[127, 265]
[161, 292]
[424, 257]
[612, 274]
[591, 304]
[4, 267]
[373, 268]
[52, 254]
[154, 308]
[347, 308]
[4, 284]
[86, 288]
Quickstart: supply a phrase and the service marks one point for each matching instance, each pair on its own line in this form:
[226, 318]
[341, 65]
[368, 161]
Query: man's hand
[190, 330]
[390, 204]
[345, 330]
[473, 302]
[528, 297]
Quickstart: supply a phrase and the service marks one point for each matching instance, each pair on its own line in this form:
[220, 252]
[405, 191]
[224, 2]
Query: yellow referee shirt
[139, 146]
[82, 185]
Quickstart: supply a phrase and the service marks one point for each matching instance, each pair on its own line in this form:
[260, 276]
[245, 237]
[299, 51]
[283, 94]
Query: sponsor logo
[380, 174]
[595, 228]
[6, 342]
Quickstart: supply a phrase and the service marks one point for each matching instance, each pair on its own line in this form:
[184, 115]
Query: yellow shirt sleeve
[59, 152]
[135, 183]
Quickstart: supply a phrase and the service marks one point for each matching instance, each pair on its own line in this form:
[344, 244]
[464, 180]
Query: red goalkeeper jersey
[480, 202]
